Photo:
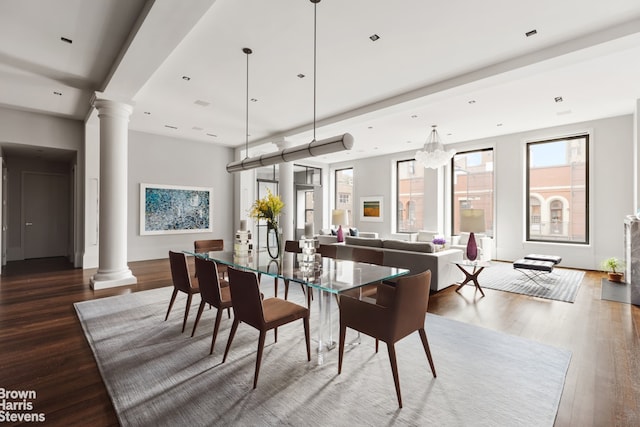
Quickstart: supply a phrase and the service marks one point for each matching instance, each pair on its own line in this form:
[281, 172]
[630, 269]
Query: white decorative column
[112, 236]
[286, 189]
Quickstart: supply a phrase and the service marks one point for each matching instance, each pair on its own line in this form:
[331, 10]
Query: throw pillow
[334, 232]
[353, 232]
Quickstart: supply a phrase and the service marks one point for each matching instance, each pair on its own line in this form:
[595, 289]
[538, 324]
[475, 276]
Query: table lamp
[472, 221]
[339, 217]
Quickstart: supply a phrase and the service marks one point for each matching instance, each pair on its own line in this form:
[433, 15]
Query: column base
[113, 279]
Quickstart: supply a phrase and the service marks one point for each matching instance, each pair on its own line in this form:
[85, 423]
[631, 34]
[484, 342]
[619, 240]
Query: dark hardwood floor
[43, 348]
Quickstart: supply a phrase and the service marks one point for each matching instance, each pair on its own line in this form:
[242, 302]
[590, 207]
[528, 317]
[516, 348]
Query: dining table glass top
[327, 274]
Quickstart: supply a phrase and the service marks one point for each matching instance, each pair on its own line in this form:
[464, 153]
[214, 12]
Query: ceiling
[466, 66]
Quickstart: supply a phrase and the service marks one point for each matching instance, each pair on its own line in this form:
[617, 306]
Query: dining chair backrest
[245, 294]
[328, 251]
[180, 271]
[410, 303]
[207, 272]
[371, 256]
[211, 245]
[292, 246]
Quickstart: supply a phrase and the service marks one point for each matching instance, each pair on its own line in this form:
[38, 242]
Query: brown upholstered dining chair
[370, 256]
[181, 282]
[211, 245]
[264, 315]
[211, 293]
[328, 251]
[294, 247]
[398, 312]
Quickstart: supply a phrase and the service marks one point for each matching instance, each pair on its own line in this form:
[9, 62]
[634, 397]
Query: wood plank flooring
[42, 346]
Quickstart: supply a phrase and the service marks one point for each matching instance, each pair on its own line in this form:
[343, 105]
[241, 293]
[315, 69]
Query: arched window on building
[411, 213]
[555, 215]
[534, 220]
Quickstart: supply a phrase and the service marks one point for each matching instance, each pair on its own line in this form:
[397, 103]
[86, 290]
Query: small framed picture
[371, 208]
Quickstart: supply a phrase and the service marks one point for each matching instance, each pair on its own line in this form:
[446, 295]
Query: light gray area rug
[560, 285]
[157, 376]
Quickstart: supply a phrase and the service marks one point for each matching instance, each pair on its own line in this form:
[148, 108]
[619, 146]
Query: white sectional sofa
[415, 256]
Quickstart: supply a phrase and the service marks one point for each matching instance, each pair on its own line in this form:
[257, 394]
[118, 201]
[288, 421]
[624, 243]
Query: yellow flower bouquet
[267, 208]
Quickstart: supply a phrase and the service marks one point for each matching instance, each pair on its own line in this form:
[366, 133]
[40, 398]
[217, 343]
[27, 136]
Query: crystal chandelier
[433, 155]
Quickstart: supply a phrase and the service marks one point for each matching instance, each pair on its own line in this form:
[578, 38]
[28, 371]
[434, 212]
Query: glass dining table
[328, 275]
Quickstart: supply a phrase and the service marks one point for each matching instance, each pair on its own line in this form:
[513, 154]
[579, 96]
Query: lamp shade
[472, 220]
[339, 217]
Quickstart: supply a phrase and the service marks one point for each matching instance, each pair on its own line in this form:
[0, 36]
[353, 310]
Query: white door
[45, 201]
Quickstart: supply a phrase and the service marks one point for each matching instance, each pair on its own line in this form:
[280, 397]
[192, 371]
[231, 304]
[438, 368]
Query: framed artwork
[371, 209]
[172, 209]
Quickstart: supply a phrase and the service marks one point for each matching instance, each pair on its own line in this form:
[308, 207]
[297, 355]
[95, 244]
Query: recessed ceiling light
[301, 76]
[558, 99]
[414, 116]
[57, 93]
[66, 40]
[186, 78]
[201, 103]
[531, 33]
[170, 127]
[148, 113]
[562, 113]
[197, 128]
[369, 127]
[253, 100]
[499, 124]
[212, 134]
[408, 142]
[473, 101]
[374, 37]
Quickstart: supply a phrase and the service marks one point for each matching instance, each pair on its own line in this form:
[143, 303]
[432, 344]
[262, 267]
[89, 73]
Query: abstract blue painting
[169, 209]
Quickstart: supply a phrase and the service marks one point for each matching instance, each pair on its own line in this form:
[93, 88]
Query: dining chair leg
[186, 311]
[234, 326]
[343, 333]
[263, 335]
[216, 326]
[173, 299]
[286, 289]
[425, 344]
[394, 370]
[306, 337]
[229, 312]
[275, 334]
[377, 342]
[200, 310]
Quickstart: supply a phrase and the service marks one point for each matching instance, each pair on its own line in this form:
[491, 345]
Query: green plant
[613, 265]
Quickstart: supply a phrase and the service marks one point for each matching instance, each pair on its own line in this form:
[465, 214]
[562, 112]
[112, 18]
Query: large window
[410, 191]
[472, 186]
[558, 190]
[344, 191]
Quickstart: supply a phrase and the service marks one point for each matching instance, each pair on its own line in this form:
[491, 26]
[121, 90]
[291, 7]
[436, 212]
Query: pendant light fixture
[314, 148]
[433, 155]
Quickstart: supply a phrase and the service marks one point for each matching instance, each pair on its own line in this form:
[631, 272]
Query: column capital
[110, 107]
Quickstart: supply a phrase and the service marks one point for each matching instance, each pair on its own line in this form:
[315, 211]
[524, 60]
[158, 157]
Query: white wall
[39, 130]
[611, 191]
[155, 159]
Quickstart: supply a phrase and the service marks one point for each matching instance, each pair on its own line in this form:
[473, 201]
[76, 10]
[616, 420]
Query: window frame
[452, 188]
[587, 190]
[406, 209]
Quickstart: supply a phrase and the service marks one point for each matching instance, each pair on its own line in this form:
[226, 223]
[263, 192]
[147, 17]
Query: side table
[471, 270]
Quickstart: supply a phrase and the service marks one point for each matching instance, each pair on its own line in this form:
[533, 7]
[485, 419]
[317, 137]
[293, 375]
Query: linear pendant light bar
[312, 149]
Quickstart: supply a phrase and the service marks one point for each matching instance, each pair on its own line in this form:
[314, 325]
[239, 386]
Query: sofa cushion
[402, 245]
[363, 241]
